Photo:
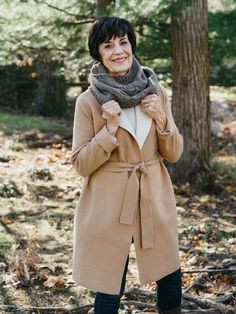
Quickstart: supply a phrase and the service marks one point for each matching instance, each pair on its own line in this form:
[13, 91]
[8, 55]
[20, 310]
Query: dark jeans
[169, 294]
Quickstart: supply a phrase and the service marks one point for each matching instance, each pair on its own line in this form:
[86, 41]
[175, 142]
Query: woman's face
[116, 55]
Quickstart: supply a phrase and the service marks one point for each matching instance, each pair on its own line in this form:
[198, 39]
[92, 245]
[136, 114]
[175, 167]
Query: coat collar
[144, 123]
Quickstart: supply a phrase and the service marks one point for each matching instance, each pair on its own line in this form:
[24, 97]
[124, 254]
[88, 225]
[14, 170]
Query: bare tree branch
[89, 20]
[216, 270]
[77, 16]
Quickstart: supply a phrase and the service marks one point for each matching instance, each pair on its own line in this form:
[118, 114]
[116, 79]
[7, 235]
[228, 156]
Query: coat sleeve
[89, 150]
[170, 141]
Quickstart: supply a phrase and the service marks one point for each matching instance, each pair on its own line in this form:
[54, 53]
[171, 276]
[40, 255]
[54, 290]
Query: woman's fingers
[112, 108]
[110, 105]
[152, 103]
[152, 106]
[151, 99]
[111, 111]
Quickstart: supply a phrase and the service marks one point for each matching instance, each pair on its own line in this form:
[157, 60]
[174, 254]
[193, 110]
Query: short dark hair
[104, 29]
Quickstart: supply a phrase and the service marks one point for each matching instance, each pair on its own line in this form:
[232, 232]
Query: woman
[123, 129]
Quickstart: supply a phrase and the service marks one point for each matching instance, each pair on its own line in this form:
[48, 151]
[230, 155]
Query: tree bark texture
[102, 6]
[190, 98]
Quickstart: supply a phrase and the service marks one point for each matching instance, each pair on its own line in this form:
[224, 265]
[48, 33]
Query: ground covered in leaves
[39, 191]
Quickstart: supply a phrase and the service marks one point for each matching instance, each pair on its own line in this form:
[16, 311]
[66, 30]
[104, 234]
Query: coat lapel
[125, 124]
[144, 123]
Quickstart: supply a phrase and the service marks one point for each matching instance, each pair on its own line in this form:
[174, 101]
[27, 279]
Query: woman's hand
[111, 111]
[151, 104]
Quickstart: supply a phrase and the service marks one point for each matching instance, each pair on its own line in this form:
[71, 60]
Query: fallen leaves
[220, 285]
[55, 281]
[207, 233]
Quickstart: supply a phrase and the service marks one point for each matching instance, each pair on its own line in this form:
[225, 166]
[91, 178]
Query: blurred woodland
[44, 66]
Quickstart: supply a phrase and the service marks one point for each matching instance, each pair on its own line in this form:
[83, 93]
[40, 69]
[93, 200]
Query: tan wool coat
[127, 194]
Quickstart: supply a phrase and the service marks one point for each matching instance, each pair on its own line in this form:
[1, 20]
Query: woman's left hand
[151, 104]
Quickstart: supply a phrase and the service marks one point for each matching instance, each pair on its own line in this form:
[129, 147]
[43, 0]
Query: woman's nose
[118, 49]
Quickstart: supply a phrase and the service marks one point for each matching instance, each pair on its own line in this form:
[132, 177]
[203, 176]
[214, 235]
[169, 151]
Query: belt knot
[141, 167]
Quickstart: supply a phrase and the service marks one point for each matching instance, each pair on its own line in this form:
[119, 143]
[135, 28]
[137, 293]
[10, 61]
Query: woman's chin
[121, 71]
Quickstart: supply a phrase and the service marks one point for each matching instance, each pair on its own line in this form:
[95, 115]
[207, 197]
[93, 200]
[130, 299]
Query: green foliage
[5, 241]
[5, 244]
[223, 75]
[51, 30]
[223, 172]
[222, 37]
[12, 123]
[8, 189]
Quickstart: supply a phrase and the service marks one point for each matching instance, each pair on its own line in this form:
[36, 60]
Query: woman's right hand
[111, 111]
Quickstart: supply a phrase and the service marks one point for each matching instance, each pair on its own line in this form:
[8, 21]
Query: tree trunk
[190, 99]
[50, 96]
[102, 6]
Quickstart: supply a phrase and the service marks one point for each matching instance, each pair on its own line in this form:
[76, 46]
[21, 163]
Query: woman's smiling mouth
[119, 60]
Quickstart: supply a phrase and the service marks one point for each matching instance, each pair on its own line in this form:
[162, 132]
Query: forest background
[44, 65]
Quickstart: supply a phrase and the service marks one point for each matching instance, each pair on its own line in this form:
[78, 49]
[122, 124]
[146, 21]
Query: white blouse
[132, 117]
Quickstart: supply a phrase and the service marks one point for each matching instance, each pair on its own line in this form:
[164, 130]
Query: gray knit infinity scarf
[127, 90]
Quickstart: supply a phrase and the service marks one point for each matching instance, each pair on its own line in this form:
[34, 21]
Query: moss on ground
[6, 242]
[11, 123]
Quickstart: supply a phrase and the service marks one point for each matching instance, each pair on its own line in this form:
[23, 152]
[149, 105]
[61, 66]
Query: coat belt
[137, 190]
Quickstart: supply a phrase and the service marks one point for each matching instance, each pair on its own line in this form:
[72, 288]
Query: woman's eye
[124, 42]
[107, 46]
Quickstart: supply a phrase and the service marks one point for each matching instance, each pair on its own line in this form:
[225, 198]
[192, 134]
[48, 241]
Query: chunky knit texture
[127, 90]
